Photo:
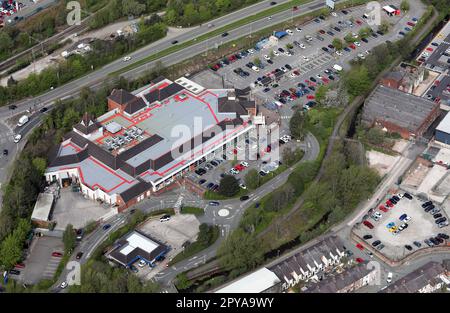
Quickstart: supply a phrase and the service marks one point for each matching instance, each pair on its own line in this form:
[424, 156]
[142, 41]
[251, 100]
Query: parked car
[417, 244]
[408, 247]
[164, 218]
[366, 237]
[376, 243]
[57, 254]
[359, 246]
[106, 226]
[79, 255]
[214, 203]
[389, 277]
[368, 224]
[244, 198]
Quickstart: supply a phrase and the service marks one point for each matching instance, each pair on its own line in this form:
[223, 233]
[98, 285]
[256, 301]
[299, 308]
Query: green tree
[252, 179]
[240, 251]
[40, 164]
[257, 61]
[338, 44]
[132, 7]
[404, 5]
[297, 125]
[357, 80]
[228, 186]
[321, 93]
[6, 43]
[384, 26]
[69, 238]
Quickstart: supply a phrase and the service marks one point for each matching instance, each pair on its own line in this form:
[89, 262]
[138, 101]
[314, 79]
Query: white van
[337, 67]
[23, 120]
[389, 278]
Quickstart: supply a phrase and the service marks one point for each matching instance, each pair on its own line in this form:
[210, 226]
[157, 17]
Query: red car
[389, 204]
[429, 49]
[383, 208]
[358, 22]
[411, 24]
[359, 260]
[352, 46]
[359, 246]
[310, 97]
[268, 148]
[325, 80]
[437, 82]
[20, 265]
[368, 224]
[57, 254]
[239, 167]
[322, 31]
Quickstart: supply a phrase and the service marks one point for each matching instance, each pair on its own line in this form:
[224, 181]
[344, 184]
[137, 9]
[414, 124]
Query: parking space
[292, 67]
[241, 158]
[397, 230]
[73, 208]
[41, 264]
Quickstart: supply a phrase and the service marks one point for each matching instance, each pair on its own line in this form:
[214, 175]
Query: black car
[429, 208]
[407, 195]
[393, 200]
[317, 20]
[312, 88]
[337, 29]
[408, 247]
[345, 12]
[330, 46]
[365, 40]
[273, 3]
[443, 236]
[417, 244]
[262, 173]
[44, 109]
[79, 255]
[374, 35]
[243, 198]
[434, 241]
[322, 17]
[5, 151]
[214, 163]
[174, 42]
[440, 220]
[439, 239]
[425, 204]
[225, 34]
[396, 198]
[12, 107]
[367, 237]
[376, 243]
[325, 49]
[437, 215]
[281, 50]
[330, 33]
[331, 77]
[270, 61]
[201, 181]
[379, 32]
[14, 272]
[210, 185]
[312, 79]
[288, 67]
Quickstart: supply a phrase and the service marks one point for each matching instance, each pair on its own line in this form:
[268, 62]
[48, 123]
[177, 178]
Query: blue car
[402, 217]
[414, 19]
[402, 33]
[390, 225]
[107, 226]
[347, 49]
[407, 29]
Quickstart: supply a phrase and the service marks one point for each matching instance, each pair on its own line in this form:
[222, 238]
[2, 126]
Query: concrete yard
[73, 208]
[175, 232]
[420, 227]
[414, 177]
[431, 180]
[381, 162]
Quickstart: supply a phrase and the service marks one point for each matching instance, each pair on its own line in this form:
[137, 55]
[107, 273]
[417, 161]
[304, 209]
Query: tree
[404, 5]
[6, 43]
[321, 93]
[228, 186]
[40, 164]
[297, 125]
[357, 80]
[69, 238]
[364, 32]
[384, 26]
[240, 251]
[257, 61]
[132, 7]
[338, 44]
[252, 179]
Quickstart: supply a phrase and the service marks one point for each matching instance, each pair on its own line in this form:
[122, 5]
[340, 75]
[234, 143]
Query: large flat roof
[42, 207]
[444, 125]
[255, 282]
[398, 107]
